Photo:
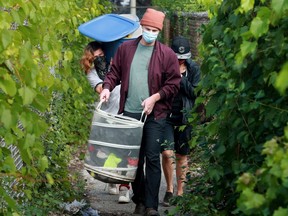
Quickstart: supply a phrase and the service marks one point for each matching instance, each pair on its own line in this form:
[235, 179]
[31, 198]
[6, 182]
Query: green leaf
[29, 141]
[258, 27]
[43, 163]
[25, 53]
[281, 212]
[264, 13]
[279, 6]
[6, 38]
[275, 170]
[16, 16]
[271, 193]
[68, 55]
[9, 138]
[11, 202]
[6, 118]
[25, 118]
[284, 167]
[215, 173]
[286, 132]
[28, 194]
[281, 81]
[27, 95]
[49, 178]
[8, 165]
[248, 47]
[41, 102]
[24, 155]
[220, 149]
[260, 94]
[212, 106]
[8, 85]
[270, 147]
[247, 5]
[253, 200]
[54, 56]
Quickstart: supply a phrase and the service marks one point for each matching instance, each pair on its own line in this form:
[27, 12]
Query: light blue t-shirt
[138, 81]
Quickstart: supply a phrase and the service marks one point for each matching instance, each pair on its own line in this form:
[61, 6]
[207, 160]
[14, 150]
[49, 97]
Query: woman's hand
[99, 88]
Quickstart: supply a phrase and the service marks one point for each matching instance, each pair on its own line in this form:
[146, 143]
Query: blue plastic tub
[110, 29]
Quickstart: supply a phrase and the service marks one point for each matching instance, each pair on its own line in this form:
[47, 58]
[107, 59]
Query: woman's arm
[95, 81]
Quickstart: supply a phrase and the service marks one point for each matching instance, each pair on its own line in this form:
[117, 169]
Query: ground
[97, 196]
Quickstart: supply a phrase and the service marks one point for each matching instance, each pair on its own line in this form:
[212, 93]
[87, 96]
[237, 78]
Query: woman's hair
[88, 55]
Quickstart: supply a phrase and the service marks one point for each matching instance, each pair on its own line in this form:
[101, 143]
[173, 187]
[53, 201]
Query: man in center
[149, 75]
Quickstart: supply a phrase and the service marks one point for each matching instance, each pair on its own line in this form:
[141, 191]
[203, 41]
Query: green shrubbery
[244, 52]
[45, 99]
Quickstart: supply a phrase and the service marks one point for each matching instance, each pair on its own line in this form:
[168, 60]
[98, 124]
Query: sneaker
[167, 198]
[151, 212]
[124, 194]
[139, 209]
[112, 189]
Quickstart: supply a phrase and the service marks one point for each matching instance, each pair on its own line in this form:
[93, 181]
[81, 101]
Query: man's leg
[168, 157]
[168, 161]
[153, 138]
[138, 186]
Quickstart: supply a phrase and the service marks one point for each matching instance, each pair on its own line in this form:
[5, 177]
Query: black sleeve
[188, 84]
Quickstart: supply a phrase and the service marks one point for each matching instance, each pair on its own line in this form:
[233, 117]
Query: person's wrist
[156, 97]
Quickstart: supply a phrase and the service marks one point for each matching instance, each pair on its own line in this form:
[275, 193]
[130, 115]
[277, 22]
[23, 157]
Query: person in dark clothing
[176, 138]
[149, 75]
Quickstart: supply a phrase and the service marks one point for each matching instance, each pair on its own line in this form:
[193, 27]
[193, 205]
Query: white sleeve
[93, 78]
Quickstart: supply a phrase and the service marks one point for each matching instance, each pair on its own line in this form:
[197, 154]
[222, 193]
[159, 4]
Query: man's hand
[105, 95]
[149, 103]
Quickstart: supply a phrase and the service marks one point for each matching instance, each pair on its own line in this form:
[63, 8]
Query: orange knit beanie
[153, 18]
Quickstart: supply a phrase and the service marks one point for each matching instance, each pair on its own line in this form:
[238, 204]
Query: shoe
[167, 199]
[151, 212]
[124, 194]
[112, 189]
[139, 209]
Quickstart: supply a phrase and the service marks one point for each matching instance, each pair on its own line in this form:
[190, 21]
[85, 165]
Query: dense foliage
[243, 147]
[45, 100]
[179, 6]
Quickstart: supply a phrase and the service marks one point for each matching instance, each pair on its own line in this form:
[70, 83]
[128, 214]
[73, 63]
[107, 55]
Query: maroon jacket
[163, 75]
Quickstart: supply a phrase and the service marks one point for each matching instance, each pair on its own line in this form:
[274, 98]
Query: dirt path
[107, 204]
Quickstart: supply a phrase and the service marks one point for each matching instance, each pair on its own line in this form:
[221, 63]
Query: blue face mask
[149, 37]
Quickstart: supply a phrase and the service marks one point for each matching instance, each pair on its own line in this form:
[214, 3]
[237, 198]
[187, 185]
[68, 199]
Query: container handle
[99, 104]
[143, 117]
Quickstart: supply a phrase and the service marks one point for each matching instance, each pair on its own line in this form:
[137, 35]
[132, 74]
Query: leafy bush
[265, 192]
[179, 6]
[244, 66]
[45, 99]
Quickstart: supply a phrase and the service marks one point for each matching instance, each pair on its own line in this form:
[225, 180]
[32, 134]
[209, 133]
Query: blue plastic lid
[108, 27]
